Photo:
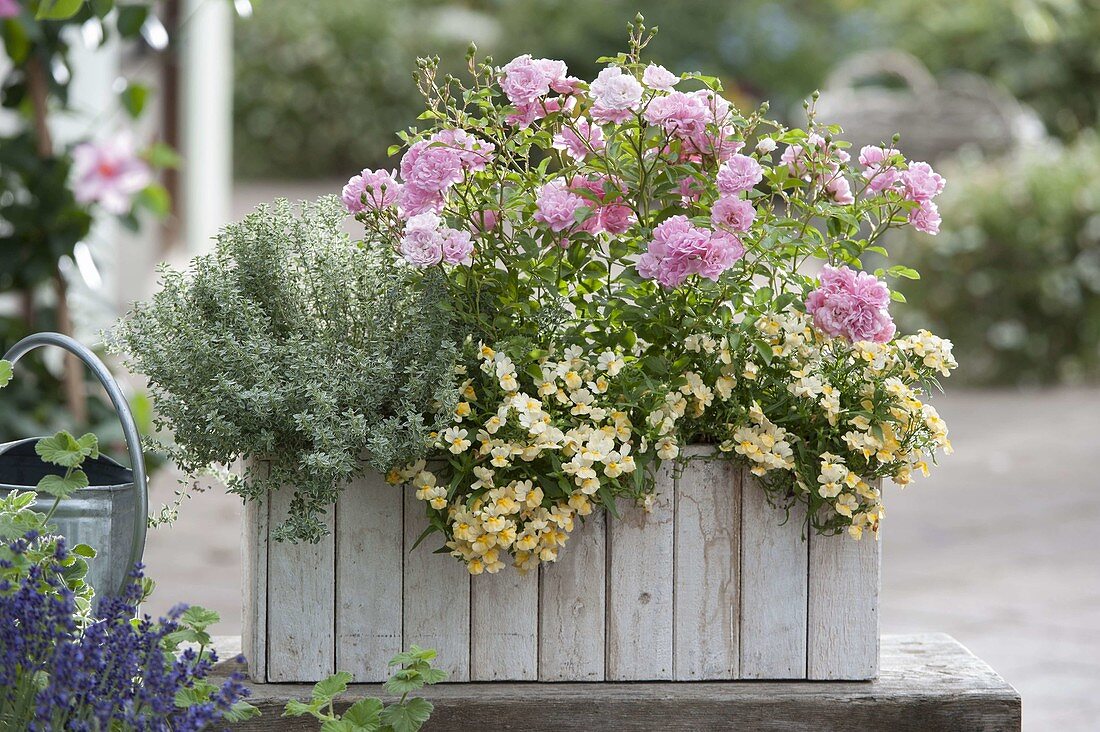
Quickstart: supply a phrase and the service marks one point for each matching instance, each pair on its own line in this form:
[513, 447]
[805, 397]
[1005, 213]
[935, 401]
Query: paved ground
[1000, 548]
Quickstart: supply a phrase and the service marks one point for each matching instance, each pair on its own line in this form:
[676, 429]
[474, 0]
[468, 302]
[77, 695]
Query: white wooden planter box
[709, 585]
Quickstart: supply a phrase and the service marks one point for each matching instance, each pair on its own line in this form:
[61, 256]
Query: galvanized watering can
[110, 515]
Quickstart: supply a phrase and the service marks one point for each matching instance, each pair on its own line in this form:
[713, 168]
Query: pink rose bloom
[680, 115]
[735, 214]
[523, 80]
[722, 253]
[680, 249]
[9, 8]
[879, 176]
[922, 183]
[659, 78]
[614, 95]
[109, 173]
[486, 220]
[926, 218]
[838, 189]
[609, 214]
[851, 304]
[577, 142]
[473, 152]
[739, 173]
[422, 244]
[413, 201]
[689, 190]
[797, 157]
[557, 206]
[457, 247]
[371, 190]
[428, 167]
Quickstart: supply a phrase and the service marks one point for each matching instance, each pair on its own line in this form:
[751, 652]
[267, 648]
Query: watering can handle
[122, 408]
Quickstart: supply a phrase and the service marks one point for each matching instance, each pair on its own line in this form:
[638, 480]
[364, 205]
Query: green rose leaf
[57, 9]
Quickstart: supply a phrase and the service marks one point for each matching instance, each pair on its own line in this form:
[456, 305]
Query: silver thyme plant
[298, 352]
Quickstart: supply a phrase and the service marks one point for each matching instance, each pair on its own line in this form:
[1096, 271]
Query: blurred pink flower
[109, 173]
[9, 8]
[851, 304]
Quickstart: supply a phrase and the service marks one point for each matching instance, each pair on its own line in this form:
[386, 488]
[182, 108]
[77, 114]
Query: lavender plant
[118, 672]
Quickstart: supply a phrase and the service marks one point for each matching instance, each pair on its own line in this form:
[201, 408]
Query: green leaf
[155, 198]
[161, 155]
[63, 449]
[364, 713]
[16, 41]
[240, 711]
[57, 9]
[199, 618]
[133, 99]
[131, 18]
[102, 7]
[83, 550]
[331, 687]
[408, 717]
[62, 487]
[5, 373]
[295, 708]
[89, 445]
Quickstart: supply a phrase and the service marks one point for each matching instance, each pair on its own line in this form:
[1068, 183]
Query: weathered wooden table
[927, 683]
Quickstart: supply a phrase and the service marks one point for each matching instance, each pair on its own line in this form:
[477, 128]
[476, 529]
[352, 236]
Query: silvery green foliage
[299, 352]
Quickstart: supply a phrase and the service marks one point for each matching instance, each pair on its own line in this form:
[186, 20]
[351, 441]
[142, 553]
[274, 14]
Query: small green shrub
[1014, 277]
[293, 349]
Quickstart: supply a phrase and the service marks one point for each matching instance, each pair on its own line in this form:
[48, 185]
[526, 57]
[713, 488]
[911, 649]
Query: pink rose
[680, 115]
[614, 95]
[413, 201]
[523, 80]
[371, 190]
[723, 251]
[739, 173]
[659, 78]
[422, 243]
[580, 140]
[457, 247]
[429, 167]
[109, 173]
[680, 249]
[921, 182]
[557, 206]
[851, 304]
[926, 218]
[485, 220]
[838, 189]
[735, 214]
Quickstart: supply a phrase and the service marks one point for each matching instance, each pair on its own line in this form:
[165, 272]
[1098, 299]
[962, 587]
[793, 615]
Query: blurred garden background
[1002, 96]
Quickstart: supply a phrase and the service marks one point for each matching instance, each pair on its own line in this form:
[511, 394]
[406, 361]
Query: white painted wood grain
[639, 587]
[774, 558]
[369, 556]
[707, 535]
[504, 626]
[301, 613]
[572, 607]
[436, 596]
[843, 607]
[254, 588]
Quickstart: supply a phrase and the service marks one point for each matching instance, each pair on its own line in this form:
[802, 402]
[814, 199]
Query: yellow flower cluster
[565, 429]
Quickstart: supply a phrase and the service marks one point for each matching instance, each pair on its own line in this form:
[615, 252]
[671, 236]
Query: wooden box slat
[710, 585]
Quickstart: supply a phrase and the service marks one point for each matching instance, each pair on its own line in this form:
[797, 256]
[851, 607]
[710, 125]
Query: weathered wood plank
[708, 535]
[640, 587]
[929, 683]
[774, 557]
[369, 555]
[504, 626]
[572, 601]
[436, 597]
[843, 584]
[301, 612]
[254, 587]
